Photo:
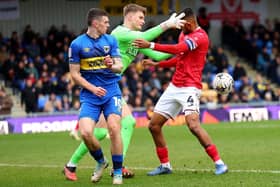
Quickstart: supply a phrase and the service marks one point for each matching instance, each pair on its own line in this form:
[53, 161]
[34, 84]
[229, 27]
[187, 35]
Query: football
[223, 83]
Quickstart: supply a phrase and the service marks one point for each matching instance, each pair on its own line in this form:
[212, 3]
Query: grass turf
[251, 150]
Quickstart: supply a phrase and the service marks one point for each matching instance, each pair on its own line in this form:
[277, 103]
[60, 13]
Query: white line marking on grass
[141, 168]
[248, 126]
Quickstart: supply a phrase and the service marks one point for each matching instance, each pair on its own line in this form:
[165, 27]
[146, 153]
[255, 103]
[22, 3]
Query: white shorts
[178, 99]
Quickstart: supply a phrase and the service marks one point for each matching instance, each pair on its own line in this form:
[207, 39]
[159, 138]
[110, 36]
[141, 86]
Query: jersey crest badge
[106, 48]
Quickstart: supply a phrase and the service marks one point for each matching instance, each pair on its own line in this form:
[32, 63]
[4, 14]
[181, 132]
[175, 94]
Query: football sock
[166, 165]
[219, 162]
[98, 155]
[212, 151]
[71, 165]
[99, 133]
[162, 153]
[78, 154]
[117, 164]
[128, 124]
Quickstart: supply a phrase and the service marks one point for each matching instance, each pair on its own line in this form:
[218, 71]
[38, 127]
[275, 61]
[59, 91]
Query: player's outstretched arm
[164, 64]
[79, 80]
[155, 55]
[173, 48]
[151, 34]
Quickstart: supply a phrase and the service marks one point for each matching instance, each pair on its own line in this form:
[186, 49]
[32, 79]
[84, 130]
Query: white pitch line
[142, 168]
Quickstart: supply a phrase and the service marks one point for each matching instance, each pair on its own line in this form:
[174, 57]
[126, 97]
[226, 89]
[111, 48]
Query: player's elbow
[75, 76]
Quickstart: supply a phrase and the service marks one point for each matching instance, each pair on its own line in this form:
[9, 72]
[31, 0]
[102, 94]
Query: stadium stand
[35, 68]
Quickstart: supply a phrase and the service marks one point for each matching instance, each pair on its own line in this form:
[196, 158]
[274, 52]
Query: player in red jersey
[183, 93]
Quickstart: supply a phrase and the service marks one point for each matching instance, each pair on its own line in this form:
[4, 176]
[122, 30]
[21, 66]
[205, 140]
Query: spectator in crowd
[33, 49]
[238, 71]
[66, 105]
[43, 60]
[268, 94]
[154, 81]
[31, 69]
[127, 96]
[277, 95]
[171, 6]
[260, 46]
[259, 84]
[29, 98]
[6, 102]
[7, 69]
[53, 104]
[20, 75]
[274, 69]
[221, 59]
[28, 35]
[3, 54]
[203, 19]
[75, 95]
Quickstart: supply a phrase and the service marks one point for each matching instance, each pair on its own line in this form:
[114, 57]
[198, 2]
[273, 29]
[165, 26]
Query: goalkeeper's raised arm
[134, 19]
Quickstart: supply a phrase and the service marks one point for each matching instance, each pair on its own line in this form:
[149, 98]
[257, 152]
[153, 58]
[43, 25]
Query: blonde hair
[133, 8]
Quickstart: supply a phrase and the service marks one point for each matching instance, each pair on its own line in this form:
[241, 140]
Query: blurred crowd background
[34, 66]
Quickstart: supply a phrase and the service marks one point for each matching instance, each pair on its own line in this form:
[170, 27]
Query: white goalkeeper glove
[174, 22]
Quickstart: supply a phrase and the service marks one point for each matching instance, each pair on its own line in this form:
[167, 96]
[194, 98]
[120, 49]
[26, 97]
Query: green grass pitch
[251, 150]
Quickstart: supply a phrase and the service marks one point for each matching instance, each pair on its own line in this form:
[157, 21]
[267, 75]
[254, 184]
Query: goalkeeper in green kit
[125, 34]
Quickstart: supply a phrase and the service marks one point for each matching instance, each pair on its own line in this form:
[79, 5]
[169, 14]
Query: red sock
[213, 152]
[162, 153]
[77, 126]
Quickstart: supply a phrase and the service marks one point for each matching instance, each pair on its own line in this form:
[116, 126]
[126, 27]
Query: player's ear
[94, 23]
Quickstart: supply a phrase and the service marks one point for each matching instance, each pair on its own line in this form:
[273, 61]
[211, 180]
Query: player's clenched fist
[108, 61]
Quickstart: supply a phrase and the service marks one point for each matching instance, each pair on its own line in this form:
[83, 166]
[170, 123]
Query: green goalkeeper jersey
[125, 37]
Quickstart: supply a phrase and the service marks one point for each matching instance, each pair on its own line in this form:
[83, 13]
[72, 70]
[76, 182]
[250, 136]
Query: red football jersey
[190, 59]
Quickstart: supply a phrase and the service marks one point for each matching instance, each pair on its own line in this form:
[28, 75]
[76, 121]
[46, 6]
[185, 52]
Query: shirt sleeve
[169, 63]
[149, 35]
[73, 53]
[189, 43]
[173, 49]
[155, 55]
[115, 52]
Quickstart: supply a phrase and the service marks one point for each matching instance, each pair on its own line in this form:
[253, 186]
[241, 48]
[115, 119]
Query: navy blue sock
[97, 155]
[117, 164]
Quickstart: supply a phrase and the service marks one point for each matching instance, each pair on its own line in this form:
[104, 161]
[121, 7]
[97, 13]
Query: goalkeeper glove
[173, 22]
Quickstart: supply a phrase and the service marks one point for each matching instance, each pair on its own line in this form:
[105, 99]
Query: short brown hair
[95, 13]
[133, 8]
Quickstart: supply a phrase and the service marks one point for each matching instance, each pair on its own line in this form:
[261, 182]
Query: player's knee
[154, 128]
[86, 135]
[194, 128]
[193, 123]
[114, 131]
